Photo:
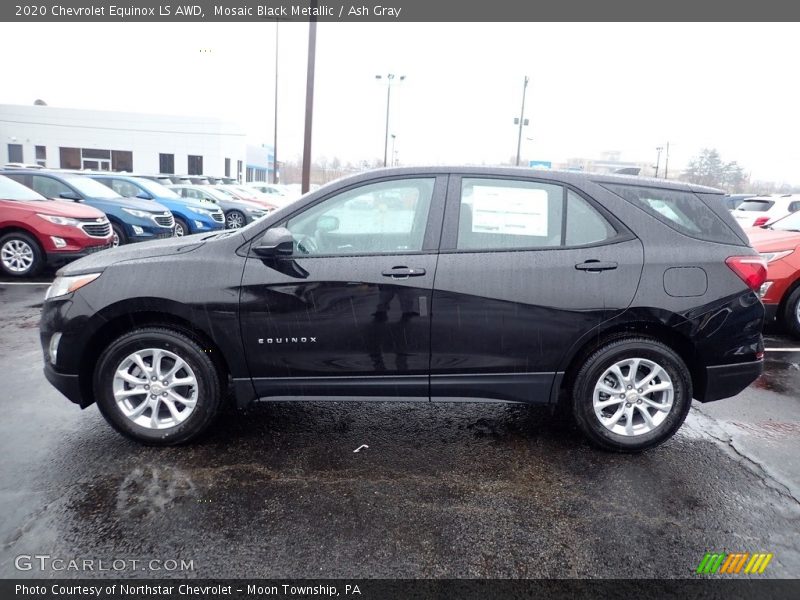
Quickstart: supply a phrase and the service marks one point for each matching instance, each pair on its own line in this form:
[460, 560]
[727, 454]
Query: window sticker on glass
[513, 211]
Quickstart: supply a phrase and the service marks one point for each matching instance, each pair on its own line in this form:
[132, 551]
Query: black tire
[120, 235]
[593, 369]
[180, 224]
[237, 215]
[209, 390]
[19, 241]
[791, 313]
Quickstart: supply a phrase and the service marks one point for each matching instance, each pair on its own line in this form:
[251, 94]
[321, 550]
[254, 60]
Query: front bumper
[162, 233]
[724, 381]
[60, 258]
[64, 383]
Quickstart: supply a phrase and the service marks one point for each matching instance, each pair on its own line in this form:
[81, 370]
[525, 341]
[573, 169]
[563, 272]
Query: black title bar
[391, 11]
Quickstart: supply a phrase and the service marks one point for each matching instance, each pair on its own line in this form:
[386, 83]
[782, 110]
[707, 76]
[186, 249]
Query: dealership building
[70, 138]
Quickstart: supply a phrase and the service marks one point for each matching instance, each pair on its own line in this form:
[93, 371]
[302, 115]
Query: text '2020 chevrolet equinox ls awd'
[625, 297]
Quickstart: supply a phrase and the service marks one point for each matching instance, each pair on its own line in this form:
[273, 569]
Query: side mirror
[144, 196]
[69, 196]
[274, 243]
[328, 223]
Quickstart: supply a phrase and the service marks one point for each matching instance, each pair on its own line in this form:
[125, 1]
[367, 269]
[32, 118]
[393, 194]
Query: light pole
[275, 123]
[666, 163]
[312, 55]
[394, 137]
[522, 121]
[658, 158]
[389, 81]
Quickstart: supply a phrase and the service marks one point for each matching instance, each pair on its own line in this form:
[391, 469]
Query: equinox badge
[288, 340]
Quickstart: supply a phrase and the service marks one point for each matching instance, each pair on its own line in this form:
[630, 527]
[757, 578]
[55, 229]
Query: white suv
[761, 210]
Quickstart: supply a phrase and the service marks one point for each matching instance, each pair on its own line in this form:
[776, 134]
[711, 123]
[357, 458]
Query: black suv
[623, 297]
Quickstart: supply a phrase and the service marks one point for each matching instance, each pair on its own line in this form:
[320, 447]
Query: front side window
[49, 187]
[380, 218]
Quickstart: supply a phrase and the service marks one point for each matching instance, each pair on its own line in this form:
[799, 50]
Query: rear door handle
[402, 272]
[596, 266]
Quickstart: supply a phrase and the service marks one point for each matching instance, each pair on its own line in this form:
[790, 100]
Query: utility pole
[666, 163]
[390, 78]
[521, 118]
[658, 159]
[275, 123]
[312, 51]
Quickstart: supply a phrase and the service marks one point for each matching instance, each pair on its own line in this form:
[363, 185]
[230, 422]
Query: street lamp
[522, 121]
[394, 137]
[390, 79]
[658, 158]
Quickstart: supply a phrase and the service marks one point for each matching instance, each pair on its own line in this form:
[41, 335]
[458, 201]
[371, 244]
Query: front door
[350, 311]
[525, 270]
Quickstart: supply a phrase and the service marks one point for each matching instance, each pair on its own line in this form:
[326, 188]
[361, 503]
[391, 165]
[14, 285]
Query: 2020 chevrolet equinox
[627, 297]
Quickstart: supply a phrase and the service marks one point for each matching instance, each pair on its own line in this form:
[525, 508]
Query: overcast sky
[594, 87]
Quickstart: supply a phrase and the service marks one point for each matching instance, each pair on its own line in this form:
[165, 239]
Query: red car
[35, 231]
[779, 243]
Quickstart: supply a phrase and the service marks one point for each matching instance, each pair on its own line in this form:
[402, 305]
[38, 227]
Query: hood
[135, 203]
[772, 240]
[152, 249]
[62, 208]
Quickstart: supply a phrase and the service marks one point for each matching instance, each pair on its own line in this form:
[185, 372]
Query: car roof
[542, 174]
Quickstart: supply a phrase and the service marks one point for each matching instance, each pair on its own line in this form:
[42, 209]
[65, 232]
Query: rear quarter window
[681, 210]
[756, 205]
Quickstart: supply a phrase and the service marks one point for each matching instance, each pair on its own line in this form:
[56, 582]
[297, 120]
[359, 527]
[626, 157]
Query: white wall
[144, 135]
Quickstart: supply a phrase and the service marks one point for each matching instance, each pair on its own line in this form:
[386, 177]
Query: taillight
[751, 269]
[761, 221]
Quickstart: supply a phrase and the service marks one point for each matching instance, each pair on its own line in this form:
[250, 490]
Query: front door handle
[402, 272]
[595, 266]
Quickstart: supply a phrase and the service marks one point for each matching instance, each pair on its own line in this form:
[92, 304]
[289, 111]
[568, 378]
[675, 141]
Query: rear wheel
[157, 386]
[20, 255]
[117, 236]
[631, 394]
[181, 227]
[791, 313]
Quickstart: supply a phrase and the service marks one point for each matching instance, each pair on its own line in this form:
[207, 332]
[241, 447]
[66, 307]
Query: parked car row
[89, 211]
[779, 244]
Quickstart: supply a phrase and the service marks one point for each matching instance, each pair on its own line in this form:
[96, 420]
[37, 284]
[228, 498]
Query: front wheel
[157, 386]
[234, 219]
[181, 227]
[631, 394]
[791, 313]
[117, 236]
[20, 255]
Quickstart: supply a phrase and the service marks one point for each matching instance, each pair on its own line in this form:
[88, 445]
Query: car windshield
[11, 190]
[756, 205]
[91, 188]
[790, 223]
[156, 189]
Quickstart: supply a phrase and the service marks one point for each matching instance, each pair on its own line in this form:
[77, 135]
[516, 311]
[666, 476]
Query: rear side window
[756, 205]
[683, 211]
[504, 214]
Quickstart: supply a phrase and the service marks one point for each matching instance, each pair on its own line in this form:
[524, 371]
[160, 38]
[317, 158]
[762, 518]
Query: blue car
[191, 216]
[132, 219]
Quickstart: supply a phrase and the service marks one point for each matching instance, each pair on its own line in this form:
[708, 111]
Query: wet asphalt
[443, 490]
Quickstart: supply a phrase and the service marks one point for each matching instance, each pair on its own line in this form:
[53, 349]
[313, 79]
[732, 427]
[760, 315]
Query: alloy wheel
[633, 396]
[234, 220]
[155, 388]
[17, 256]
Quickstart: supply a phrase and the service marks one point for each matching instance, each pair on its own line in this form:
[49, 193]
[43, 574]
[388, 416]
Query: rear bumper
[66, 384]
[724, 381]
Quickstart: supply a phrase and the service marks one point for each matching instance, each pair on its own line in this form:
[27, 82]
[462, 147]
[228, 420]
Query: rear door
[349, 311]
[525, 269]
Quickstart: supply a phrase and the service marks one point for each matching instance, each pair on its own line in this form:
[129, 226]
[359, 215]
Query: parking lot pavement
[443, 490]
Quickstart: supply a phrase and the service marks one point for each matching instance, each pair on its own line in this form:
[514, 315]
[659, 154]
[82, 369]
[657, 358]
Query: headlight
[67, 285]
[203, 211]
[56, 220]
[142, 214]
[773, 256]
